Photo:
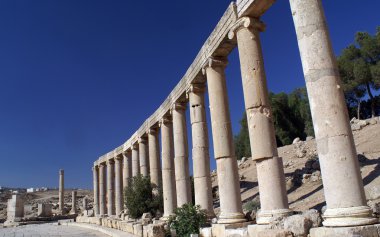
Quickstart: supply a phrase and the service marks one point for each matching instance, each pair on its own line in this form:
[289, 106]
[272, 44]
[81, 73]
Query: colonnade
[343, 186]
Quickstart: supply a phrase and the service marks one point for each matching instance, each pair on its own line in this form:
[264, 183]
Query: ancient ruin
[347, 210]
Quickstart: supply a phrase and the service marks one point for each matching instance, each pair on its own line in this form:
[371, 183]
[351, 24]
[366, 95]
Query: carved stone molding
[214, 62]
[246, 22]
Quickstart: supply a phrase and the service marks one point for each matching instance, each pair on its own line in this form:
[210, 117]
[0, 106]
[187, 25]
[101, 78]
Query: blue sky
[79, 77]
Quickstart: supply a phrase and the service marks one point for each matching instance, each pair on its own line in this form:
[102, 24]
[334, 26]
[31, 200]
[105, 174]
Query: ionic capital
[134, 146]
[165, 120]
[152, 131]
[196, 88]
[214, 62]
[179, 106]
[142, 140]
[119, 157]
[246, 22]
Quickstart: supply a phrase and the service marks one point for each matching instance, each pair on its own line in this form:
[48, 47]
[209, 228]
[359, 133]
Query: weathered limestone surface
[154, 157]
[110, 188]
[73, 202]
[44, 210]
[61, 191]
[181, 154]
[102, 189]
[118, 185]
[143, 153]
[200, 152]
[342, 182]
[135, 160]
[362, 231]
[15, 208]
[127, 167]
[227, 169]
[270, 172]
[95, 171]
[168, 172]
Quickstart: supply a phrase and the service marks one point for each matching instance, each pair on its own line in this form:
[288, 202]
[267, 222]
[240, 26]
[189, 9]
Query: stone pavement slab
[49, 230]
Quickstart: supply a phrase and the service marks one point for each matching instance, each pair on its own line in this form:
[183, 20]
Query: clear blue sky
[79, 77]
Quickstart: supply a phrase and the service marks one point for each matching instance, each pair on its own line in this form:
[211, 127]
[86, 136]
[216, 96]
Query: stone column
[342, 181]
[270, 172]
[110, 188]
[227, 170]
[73, 202]
[102, 189]
[61, 192]
[118, 185]
[96, 189]
[127, 168]
[154, 157]
[143, 152]
[135, 161]
[168, 172]
[200, 152]
[181, 154]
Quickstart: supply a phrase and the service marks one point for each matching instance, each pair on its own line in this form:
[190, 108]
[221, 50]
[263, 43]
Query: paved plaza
[49, 230]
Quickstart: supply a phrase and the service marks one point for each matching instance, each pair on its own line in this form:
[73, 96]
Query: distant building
[30, 190]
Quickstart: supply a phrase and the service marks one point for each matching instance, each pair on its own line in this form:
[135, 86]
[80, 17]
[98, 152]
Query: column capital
[134, 146]
[179, 106]
[142, 140]
[152, 131]
[196, 88]
[101, 165]
[61, 172]
[165, 120]
[246, 22]
[110, 161]
[119, 157]
[213, 62]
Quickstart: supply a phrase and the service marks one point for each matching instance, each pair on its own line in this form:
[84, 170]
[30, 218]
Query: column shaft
[61, 191]
[73, 202]
[118, 186]
[127, 168]
[154, 157]
[96, 189]
[168, 172]
[224, 151]
[342, 181]
[102, 189]
[110, 188]
[181, 154]
[135, 161]
[143, 152]
[200, 152]
[270, 173]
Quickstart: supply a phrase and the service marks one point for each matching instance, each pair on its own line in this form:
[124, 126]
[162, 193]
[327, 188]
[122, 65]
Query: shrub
[252, 205]
[187, 220]
[139, 197]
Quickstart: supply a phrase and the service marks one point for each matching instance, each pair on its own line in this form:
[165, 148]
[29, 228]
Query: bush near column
[139, 198]
[187, 220]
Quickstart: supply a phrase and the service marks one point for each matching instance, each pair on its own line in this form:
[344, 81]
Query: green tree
[359, 66]
[291, 117]
[139, 197]
[241, 140]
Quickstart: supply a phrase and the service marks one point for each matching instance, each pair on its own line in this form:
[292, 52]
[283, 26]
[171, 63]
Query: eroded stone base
[129, 226]
[356, 231]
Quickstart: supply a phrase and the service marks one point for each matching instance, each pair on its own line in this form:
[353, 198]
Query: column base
[231, 218]
[362, 231]
[350, 216]
[265, 217]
